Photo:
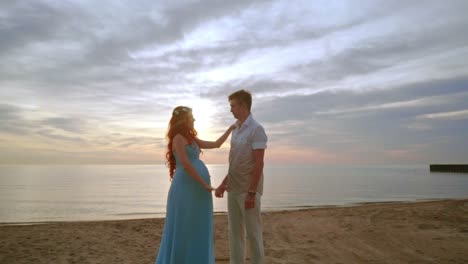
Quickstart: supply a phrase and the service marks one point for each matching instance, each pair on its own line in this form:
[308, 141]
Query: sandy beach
[416, 232]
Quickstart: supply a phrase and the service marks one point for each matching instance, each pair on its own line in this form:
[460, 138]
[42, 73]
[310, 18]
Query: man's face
[235, 108]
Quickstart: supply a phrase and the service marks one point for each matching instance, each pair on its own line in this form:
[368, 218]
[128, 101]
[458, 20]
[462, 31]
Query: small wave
[140, 213]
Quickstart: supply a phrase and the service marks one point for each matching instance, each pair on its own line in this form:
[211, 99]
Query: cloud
[327, 78]
[56, 137]
[72, 125]
[365, 122]
[453, 115]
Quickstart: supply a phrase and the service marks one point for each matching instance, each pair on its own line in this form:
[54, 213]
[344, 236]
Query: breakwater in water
[449, 168]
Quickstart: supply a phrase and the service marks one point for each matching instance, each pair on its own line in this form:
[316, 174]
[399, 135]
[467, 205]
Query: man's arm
[258, 155]
[219, 192]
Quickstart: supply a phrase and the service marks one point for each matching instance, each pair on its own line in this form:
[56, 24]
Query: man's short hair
[243, 97]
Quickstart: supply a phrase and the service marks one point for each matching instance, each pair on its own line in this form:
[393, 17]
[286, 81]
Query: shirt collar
[247, 121]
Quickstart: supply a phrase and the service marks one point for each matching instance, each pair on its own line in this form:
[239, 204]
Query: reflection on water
[97, 192]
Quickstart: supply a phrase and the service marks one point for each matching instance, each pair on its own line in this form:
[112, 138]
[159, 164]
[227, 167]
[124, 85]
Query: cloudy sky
[334, 82]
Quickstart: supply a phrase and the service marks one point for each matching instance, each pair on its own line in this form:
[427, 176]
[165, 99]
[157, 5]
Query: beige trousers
[244, 222]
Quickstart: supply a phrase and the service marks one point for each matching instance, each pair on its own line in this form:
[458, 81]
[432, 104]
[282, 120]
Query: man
[244, 181]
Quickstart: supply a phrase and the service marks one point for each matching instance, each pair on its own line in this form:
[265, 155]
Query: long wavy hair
[179, 124]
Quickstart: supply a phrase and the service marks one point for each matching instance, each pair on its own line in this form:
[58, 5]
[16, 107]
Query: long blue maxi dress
[188, 229]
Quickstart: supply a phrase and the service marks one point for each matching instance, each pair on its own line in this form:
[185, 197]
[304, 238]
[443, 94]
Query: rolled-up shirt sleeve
[259, 138]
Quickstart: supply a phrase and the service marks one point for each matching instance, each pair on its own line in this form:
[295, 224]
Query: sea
[50, 193]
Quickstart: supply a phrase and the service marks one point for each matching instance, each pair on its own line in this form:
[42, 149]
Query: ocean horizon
[49, 193]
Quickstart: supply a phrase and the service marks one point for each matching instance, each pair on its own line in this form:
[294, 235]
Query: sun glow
[203, 111]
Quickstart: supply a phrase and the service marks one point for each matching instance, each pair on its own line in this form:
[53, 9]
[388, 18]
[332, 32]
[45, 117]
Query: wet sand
[416, 232]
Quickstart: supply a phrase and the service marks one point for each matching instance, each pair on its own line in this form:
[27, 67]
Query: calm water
[98, 192]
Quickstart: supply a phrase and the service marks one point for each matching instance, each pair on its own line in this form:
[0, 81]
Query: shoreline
[402, 232]
[264, 210]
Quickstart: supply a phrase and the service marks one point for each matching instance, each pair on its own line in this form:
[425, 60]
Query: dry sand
[419, 232]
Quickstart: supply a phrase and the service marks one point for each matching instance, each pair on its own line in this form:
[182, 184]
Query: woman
[188, 229]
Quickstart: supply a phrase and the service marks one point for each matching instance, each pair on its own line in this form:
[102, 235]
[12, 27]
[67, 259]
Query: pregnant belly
[201, 168]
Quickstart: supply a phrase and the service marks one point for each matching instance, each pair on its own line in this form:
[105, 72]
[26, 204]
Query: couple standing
[188, 231]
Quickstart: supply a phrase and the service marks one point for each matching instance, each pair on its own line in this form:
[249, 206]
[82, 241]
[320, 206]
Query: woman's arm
[215, 144]
[219, 192]
[179, 144]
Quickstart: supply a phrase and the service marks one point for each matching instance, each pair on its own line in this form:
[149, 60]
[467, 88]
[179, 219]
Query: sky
[333, 82]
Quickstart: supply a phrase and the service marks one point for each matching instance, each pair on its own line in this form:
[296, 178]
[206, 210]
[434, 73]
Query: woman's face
[190, 120]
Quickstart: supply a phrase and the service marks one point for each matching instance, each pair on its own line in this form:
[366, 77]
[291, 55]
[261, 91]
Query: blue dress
[188, 229]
